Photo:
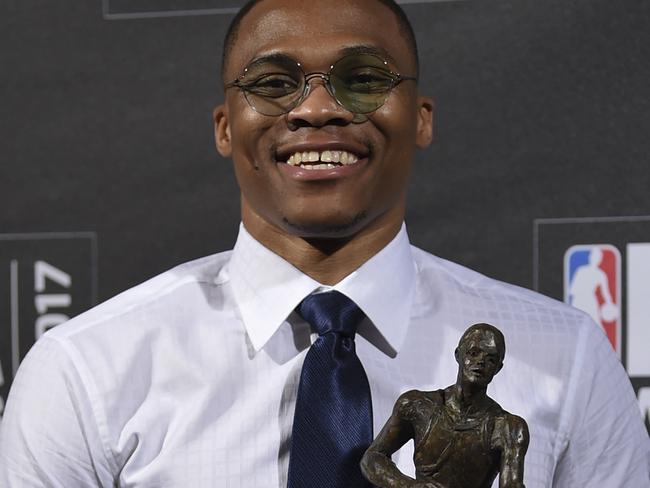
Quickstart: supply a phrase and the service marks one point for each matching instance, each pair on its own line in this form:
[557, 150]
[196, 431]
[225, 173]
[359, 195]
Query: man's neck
[326, 260]
[463, 397]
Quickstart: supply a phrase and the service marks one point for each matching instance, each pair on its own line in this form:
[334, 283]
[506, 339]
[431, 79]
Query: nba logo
[592, 283]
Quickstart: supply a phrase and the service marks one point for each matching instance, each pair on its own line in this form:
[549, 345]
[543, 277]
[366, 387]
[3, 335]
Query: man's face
[479, 358]
[340, 201]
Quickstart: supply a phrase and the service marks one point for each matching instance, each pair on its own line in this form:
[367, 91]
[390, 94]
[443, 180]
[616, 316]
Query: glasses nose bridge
[321, 108]
[324, 79]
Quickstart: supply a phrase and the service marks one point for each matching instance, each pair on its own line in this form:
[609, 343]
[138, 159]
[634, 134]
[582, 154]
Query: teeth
[343, 157]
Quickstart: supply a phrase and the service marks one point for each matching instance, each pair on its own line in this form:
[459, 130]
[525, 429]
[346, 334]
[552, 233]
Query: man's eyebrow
[271, 57]
[367, 49]
[280, 57]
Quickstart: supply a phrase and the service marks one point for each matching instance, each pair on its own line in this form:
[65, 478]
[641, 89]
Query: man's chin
[478, 379]
[342, 228]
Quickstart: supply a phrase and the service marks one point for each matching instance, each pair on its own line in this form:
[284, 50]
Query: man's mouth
[319, 160]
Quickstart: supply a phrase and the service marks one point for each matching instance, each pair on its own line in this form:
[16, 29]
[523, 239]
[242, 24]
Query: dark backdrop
[542, 111]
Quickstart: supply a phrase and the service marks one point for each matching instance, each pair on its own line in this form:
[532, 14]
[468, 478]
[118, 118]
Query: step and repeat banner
[538, 174]
[602, 266]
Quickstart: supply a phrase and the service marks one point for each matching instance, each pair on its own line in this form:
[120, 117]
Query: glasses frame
[396, 79]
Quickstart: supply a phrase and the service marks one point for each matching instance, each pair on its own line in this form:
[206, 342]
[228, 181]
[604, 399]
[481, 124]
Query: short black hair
[404, 24]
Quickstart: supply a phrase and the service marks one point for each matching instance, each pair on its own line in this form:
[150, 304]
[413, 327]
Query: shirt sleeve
[608, 444]
[49, 435]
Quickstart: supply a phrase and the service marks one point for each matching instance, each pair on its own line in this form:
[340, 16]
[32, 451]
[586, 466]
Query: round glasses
[276, 84]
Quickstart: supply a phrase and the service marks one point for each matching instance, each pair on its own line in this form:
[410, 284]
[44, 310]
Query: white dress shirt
[190, 379]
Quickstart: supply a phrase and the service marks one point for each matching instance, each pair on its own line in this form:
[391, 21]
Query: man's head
[304, 199]
[480, 354]
[595, 257]
[233, 31]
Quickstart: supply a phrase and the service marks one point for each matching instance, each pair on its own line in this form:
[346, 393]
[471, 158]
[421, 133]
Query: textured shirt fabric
[190, 379]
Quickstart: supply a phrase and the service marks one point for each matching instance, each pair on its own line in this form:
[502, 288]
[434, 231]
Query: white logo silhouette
[587, 281]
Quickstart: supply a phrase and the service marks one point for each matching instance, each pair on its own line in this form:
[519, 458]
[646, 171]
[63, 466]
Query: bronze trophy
[463, 438]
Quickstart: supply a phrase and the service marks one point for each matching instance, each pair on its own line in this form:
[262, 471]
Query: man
[192, 378]
[462, 437]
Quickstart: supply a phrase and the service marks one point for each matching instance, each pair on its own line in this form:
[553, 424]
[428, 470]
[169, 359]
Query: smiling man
[274, 364]
[322, 185]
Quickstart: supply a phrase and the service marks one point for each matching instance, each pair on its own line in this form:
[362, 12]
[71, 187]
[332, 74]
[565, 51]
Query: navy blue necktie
[332, 426]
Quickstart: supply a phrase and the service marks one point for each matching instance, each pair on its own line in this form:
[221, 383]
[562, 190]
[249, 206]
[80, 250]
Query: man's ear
[424, 134]
[499, 368]
[222, 131]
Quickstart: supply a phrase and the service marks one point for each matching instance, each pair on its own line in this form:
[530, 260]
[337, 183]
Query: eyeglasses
[276, 84]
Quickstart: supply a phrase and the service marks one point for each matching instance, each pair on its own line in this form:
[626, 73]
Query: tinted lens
[361, 82]
[273, 86]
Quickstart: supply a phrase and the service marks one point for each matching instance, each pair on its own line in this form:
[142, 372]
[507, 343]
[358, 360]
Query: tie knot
[331, 312]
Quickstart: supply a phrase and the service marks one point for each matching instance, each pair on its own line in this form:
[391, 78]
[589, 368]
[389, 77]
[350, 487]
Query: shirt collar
[267, 288]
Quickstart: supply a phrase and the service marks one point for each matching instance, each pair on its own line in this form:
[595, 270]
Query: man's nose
[319, 108]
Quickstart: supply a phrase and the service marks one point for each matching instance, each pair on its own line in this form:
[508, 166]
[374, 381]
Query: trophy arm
[514, 444]
[377, 465]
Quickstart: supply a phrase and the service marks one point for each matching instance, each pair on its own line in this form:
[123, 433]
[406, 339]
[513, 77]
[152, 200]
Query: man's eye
[272, 86]
[368, 80]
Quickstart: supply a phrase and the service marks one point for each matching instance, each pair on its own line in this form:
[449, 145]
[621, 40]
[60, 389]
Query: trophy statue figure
[462, 437]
